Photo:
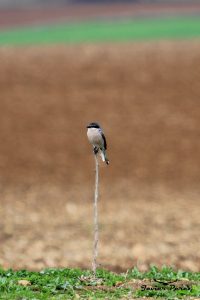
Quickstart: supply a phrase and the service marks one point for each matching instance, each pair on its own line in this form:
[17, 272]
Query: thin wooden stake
[96, 225]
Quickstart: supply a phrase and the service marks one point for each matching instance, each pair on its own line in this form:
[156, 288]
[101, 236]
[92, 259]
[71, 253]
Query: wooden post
[96, 225]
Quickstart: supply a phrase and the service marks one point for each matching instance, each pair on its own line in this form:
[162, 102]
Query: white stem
[96, 226]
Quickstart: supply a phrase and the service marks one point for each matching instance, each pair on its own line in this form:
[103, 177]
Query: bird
[97, 138]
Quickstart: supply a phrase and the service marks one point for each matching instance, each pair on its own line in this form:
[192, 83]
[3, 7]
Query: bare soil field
[10, 18]
[146, 96]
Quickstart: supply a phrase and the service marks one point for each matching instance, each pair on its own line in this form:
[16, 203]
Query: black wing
[104, 141]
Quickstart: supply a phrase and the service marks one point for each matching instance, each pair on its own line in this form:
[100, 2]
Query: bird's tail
[104, 157]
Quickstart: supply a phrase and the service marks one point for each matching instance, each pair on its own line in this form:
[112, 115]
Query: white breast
[94, 137]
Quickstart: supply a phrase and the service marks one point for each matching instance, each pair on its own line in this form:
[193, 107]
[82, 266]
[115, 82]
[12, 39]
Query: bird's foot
[95, 150]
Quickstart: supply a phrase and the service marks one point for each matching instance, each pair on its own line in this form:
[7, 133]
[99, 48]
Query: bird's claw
[95, 150]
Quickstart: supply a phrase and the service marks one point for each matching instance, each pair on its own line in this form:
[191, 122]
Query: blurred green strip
[107, 31]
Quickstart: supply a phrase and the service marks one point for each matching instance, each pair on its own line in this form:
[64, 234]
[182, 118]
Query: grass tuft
[61, 284]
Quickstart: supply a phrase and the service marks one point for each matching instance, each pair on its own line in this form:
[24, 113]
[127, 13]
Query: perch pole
[96, 226]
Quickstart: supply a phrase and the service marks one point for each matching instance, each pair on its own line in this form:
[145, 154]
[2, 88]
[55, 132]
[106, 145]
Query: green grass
[112, 31]
[79, 284]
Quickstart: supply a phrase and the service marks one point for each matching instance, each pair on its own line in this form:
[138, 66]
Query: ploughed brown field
[146, 97]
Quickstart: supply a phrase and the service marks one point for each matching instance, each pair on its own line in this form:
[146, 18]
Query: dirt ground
[53, 14]
[146, 97]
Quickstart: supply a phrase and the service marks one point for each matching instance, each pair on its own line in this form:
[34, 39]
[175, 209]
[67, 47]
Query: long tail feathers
[104, 157]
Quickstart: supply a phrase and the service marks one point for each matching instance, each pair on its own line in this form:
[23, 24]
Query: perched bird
[97, 138]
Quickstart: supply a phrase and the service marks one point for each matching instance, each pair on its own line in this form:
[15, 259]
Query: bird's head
[93, 125]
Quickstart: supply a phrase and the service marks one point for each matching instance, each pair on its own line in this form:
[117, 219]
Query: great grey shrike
[97, 138]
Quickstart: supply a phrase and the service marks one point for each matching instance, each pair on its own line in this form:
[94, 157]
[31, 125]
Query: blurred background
[133, 66]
